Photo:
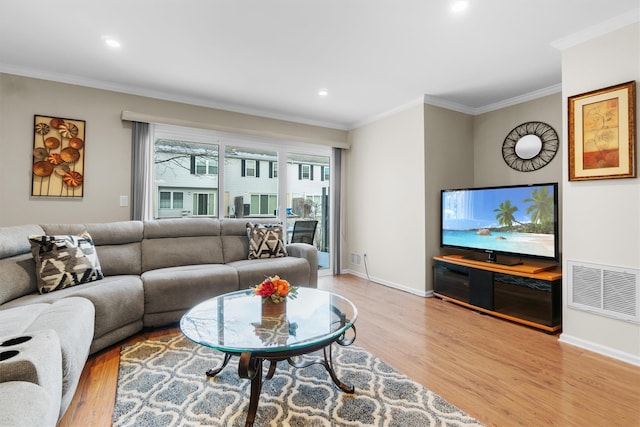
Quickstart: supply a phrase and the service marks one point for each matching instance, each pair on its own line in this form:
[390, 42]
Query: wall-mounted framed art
[58, 157]
[602, 133]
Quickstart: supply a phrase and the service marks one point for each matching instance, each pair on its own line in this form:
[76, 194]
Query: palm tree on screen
[505, 213]
[541, 207]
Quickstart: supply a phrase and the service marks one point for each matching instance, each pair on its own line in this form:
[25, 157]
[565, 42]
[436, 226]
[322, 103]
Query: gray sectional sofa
[154, 271]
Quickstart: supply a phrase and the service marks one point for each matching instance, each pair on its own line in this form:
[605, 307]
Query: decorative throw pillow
[265, 241]
[64, 261]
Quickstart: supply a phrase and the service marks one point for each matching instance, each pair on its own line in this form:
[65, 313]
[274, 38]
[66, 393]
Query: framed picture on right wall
[602, 133]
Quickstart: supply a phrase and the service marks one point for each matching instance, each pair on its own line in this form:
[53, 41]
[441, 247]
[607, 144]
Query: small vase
[270, 308]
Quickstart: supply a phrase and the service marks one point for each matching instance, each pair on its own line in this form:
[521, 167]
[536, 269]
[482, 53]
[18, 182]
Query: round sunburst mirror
[530, 146]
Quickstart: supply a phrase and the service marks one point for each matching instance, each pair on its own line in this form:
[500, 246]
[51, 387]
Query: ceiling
[270, 57]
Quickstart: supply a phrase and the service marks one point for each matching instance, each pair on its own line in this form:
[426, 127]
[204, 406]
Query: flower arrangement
[275, 289]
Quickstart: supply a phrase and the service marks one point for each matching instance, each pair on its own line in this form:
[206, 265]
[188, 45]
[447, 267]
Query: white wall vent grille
[606, 290]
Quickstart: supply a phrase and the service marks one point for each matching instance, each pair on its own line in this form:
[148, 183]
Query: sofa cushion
[177, 289]
[13, 239]
[64, 260]
[117, 243]
[118, 301]
[265, 241]
[180, 242]
[252, 272]
[72, 320]
[18, 276]
[118, 246]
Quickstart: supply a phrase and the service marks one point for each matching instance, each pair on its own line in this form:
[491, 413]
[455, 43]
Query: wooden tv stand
[529, 293]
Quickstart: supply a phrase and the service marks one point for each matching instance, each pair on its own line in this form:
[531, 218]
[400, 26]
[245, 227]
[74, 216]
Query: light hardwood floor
[501, 373]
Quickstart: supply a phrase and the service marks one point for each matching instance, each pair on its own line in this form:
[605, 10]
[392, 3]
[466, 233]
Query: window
[324, 173]
[206, 166]
[305, 172]
[263, 204]
[210, 174]
[250, 168]
[257, 195]
[165, 200]
[184, 169]
[177, 200]
[171, 200]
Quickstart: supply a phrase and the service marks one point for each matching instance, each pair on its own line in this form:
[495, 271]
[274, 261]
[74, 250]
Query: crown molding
[449, 105]
[550, 90]
[438, 102]
[164, 96]
[615, 23]
[385, 114]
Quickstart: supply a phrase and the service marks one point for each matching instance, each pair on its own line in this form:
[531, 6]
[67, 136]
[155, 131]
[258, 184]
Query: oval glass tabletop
[234, 323]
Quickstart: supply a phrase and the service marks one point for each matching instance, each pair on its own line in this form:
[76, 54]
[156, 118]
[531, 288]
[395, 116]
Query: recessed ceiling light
[459, 5]
[111, 42]
[323, 92]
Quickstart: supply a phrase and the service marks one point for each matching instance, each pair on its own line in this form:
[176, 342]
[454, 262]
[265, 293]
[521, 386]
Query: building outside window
[325, 173]
[263, 204]
[183, 170]
[170, 203]
[305, 172]
[250, 197]
[203, 173]
[204, 204]
[206, 165]
[250, 168]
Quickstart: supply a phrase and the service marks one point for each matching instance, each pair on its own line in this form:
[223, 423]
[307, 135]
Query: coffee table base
[250, 367]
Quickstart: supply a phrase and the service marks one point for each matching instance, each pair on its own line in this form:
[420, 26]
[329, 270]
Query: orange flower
[282, 287]
[276, 289]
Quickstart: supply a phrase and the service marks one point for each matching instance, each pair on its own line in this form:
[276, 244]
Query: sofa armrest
[34, 357]
[26, 404]
[310, 253]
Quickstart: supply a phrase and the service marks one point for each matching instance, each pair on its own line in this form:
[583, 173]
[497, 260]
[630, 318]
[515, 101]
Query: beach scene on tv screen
[519, 220]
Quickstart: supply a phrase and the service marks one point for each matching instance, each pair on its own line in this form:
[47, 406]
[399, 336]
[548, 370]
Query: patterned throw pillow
[64, 261]
[265, 241]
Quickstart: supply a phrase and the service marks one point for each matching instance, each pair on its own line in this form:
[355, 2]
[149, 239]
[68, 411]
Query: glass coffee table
[233, 324]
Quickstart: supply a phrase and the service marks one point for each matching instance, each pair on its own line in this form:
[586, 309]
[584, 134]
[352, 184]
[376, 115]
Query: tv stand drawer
[523, 298]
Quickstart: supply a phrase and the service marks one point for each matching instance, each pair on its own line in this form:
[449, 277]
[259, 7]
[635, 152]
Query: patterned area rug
[162, 382]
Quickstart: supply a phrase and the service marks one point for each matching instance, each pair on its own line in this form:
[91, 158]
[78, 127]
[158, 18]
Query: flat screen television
[517, 221]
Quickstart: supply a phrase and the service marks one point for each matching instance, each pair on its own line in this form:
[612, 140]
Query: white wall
[601, 220]
[384, 206]
[108, 144]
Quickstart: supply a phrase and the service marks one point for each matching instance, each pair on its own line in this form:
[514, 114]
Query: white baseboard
[389, 284]
[600, 349]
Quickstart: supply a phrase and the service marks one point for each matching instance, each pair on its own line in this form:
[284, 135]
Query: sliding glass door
[206, 173]
[308, 184]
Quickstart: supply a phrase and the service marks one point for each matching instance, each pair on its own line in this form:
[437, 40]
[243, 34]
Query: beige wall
[448, 164]
[490, 130]
[384, 205]
[601, 221]
[108, 144]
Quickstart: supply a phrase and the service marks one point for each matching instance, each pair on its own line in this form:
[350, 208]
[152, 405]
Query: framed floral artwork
[602, 133]
[58, 157]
